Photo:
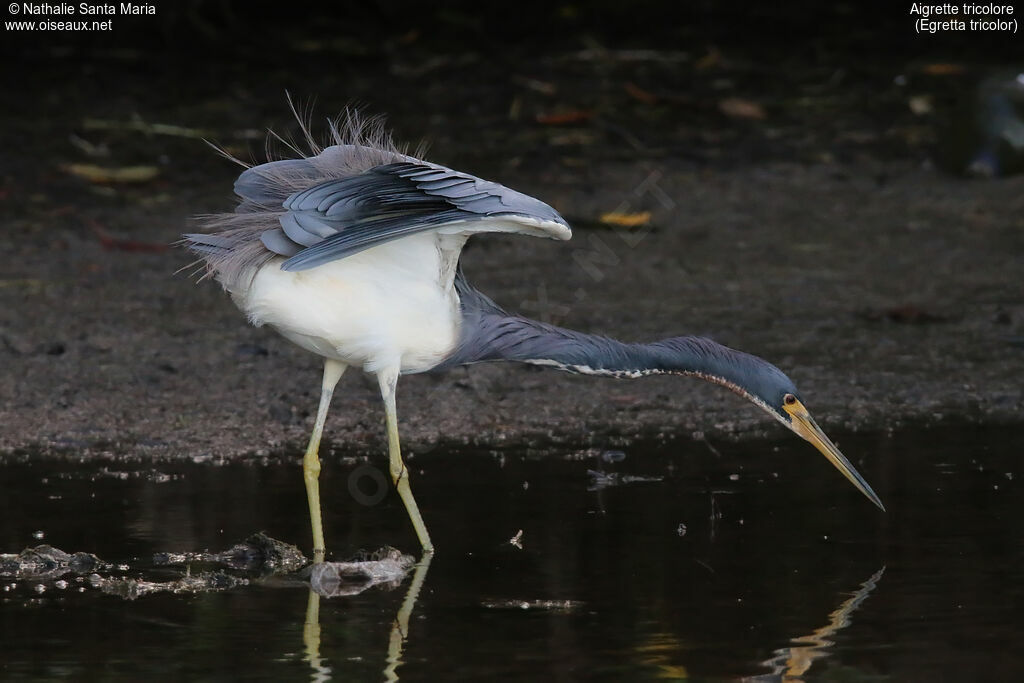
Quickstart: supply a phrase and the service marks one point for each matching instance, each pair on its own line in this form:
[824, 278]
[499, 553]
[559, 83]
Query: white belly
[390, 305]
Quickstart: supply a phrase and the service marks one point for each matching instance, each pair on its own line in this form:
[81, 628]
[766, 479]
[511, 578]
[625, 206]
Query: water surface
[676, 562]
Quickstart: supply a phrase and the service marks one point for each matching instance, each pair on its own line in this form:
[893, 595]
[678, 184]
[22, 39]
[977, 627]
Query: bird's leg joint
[399, 471]
[311, 466]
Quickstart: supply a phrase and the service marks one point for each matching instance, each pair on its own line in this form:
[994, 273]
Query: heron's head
[770, 389]
[776, 393]
[758, 380]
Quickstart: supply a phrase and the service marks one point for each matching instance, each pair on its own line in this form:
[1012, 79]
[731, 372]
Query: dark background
[422, 61]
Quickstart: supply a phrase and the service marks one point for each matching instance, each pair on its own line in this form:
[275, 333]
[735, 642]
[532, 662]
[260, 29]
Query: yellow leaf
[626, 220]
[124, 174]
[944, 69]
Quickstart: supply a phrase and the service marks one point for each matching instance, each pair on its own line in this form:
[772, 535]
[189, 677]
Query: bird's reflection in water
[400, 627]
[319, 671]
[790, 663]
[331, 579]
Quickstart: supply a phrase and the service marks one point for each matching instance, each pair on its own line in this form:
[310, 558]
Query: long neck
[490, 334]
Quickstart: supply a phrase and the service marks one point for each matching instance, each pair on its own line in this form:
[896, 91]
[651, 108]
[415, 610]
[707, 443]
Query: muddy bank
[882, 306]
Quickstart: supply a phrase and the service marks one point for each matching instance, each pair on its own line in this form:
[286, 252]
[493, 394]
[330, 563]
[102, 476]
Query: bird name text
[967, 9]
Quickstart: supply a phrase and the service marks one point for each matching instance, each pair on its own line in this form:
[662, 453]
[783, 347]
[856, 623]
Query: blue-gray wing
[342, 217]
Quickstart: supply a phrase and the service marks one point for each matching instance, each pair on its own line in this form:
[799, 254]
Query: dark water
[759, 562]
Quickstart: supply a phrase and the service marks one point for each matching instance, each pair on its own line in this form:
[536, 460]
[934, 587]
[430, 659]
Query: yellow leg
[333, 371]
[388, 380]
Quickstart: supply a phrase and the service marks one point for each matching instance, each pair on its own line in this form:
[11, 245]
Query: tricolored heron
[352, 252]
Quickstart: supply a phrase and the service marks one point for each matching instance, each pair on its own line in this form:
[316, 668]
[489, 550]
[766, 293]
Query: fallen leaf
[565, 117]
[626, 220]
[920, 104]
[638, 93]
[109, 242]
[739, 108]
[536, 85]
[943, 69]
[107, 175]
[147, 128]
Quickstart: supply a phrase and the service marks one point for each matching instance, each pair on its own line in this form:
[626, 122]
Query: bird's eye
[789, 399]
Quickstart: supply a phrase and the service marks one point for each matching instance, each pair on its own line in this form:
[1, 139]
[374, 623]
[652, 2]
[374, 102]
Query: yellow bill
[803, 424]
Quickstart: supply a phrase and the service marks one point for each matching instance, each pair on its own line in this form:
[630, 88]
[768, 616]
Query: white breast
[394, 304]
